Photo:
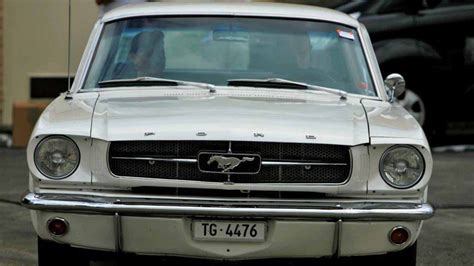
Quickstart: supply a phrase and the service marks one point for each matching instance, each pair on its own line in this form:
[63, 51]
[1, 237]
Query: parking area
[447, 239]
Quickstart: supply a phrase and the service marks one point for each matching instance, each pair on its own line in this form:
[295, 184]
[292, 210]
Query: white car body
[343, 223]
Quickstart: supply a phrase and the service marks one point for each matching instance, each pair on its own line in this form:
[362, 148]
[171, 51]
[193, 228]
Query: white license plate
[229, 231]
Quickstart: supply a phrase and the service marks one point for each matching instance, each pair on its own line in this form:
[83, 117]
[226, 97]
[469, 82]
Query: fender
[389, 50]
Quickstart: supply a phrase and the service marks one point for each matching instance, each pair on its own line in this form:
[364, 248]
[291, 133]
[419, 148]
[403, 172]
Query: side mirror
[396, 86]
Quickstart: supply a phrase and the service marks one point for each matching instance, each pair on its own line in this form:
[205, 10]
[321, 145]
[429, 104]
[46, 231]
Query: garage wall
[35, 43]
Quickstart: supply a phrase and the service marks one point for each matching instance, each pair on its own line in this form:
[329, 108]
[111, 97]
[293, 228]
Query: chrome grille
[315, 163]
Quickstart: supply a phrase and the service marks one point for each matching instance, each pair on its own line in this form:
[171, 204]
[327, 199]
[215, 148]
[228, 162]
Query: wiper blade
[151, 81]
[283, 83]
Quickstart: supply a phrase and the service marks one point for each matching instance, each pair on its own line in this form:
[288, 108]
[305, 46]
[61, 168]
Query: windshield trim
[266, 10]
[224, 89]
[98, 37]
[88, 57]
[372, 63]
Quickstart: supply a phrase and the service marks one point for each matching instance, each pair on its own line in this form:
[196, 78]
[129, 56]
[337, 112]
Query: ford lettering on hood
[229, 114]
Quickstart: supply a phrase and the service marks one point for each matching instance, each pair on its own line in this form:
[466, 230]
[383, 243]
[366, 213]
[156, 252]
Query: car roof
[231, 9]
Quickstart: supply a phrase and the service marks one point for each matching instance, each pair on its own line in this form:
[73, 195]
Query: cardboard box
[25, 115]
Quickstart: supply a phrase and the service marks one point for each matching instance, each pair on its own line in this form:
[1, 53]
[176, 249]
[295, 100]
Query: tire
[414, 104]
[54, 254]
[421, 98]
[423, 108]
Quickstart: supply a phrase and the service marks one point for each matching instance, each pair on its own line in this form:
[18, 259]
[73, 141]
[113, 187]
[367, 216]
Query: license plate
[229, 231]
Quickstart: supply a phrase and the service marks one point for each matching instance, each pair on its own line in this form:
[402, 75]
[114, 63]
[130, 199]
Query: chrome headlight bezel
[415, 152]
[69, 141]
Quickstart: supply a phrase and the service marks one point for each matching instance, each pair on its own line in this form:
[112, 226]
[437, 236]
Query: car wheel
[54, 254]
[414, 104]
[420, 98]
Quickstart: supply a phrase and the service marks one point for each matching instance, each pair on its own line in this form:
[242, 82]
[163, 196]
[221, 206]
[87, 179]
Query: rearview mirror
[396, 86]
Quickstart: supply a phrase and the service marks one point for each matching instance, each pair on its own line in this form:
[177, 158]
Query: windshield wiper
[283, 83]
[151, 81]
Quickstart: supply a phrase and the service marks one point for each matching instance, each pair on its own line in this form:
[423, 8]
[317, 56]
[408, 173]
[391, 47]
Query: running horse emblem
[228, 163]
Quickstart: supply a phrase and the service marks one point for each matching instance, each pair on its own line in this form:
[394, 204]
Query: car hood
[70, 117]
[237, 114]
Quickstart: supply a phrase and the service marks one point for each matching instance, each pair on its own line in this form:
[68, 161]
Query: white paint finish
[230, 114]
[388, 120]
[234, 9]
[174, 114]
[80, 178]
[67, 117]
[88, 231]
[284, 239]
[357, 184]
[172, 236]
[377, 186]
[71, 118]
[371, 238]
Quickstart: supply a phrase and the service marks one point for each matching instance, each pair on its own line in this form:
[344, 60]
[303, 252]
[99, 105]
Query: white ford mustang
[230, 132]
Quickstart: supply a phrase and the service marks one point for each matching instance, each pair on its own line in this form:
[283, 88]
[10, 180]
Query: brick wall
[1, 62]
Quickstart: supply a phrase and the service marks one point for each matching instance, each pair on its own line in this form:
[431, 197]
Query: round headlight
[402, 166]
[57, 157]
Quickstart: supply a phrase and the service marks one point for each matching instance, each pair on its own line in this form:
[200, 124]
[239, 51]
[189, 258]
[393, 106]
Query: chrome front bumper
[172, 206]
[162, 225]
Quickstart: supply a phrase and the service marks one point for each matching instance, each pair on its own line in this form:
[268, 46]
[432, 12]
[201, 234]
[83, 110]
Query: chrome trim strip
[86, 60]
[351, 161]
[48, 137]
[399, 227]
[394, 147]
[171, 160]
[288, 163]
[268, 163]
[118, 232]
[150, 207]
[212, 199]
[61, 219]
[372, 64]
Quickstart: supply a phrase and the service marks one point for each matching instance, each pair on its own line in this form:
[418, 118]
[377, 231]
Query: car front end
[253, 169]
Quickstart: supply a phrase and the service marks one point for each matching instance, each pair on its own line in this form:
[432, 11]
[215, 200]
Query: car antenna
[68, 93]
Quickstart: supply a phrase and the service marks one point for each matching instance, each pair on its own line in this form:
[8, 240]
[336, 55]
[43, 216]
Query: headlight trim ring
[63, 138]
[385, 154]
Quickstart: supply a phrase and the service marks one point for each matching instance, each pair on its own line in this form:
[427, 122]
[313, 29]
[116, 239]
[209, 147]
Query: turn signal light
[58, 226]
[399, 235]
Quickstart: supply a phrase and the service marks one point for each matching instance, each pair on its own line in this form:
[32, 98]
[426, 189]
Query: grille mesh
[293, 152]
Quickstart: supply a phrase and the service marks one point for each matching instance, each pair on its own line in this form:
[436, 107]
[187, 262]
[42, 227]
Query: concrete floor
[447, 239]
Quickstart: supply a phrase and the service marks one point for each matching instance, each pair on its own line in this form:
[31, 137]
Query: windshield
[217, 49]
